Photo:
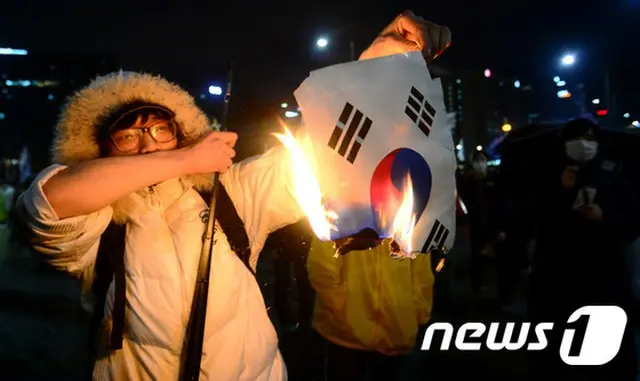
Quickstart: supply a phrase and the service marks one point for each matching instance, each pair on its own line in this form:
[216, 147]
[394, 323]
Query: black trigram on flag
[420, 111]
[437, 237]
[357, 123]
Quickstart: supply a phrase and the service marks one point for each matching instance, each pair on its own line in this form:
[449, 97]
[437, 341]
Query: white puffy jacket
[163, 245]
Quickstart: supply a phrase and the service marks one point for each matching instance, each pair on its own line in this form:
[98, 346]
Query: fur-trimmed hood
[78, 126]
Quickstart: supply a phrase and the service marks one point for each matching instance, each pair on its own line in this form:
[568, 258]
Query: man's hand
[591, 212]
[410, 33]
[213, 153]
[569, 177]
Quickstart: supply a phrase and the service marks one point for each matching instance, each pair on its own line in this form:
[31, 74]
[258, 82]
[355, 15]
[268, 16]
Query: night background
[500, 71]
[191, 42]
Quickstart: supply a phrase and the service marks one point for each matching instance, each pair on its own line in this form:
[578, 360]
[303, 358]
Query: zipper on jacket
[155, 202]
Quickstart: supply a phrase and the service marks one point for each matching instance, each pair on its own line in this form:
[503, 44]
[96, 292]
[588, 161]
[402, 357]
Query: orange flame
[307, 190]
[405, 220]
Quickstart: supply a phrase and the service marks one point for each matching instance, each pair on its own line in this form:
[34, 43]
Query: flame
[440, 265]
[307, 190]
[405, 220]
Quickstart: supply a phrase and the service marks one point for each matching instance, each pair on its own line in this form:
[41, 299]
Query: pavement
[43, 327]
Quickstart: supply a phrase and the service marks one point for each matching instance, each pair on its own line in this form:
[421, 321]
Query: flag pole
[192, 351]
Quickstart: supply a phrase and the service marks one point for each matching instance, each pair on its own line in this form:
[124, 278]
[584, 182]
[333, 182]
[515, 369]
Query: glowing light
[322, 42]
[215, 90]
[568, 59]
[13, 52]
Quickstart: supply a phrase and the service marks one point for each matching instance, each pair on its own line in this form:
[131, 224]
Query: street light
[215, 90]
[568, 59]
[322, 42]
[479, 148]
[506, 127]
[516, 84]
[596, 101]
[556, 79]
[626, 115]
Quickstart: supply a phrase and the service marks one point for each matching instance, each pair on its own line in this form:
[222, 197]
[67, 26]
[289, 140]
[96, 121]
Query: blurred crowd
[565, 226]
[566, 231]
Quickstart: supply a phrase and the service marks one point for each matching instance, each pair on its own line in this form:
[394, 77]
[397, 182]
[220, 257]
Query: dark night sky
[189, 40]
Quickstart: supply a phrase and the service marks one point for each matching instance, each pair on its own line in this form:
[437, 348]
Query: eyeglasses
[129, 139]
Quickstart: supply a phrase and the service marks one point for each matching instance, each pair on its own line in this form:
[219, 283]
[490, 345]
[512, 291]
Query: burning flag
[377, 156]
[307, 189]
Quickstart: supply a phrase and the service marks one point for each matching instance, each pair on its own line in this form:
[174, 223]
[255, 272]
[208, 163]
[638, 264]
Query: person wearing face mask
[582, 149]
[583, 216]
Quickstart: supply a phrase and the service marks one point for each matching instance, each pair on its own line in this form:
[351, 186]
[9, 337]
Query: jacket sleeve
[325, 276]
[261, 189]
[423, 280]
[69, 244]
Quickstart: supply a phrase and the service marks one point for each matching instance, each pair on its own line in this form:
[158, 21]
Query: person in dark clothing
[291, 248]
[293, 292]
[478, 192]
[583, 216]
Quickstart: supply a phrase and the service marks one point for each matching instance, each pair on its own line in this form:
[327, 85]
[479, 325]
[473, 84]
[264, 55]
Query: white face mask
[581, 150]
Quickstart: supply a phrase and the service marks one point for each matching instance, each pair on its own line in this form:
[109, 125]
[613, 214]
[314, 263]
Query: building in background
[489, 105]
[33, 88]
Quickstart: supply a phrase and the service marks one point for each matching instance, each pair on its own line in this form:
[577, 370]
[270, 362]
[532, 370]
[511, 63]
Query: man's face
[145, 134]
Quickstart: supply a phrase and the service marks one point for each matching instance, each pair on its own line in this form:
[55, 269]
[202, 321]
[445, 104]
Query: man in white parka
[134, 149]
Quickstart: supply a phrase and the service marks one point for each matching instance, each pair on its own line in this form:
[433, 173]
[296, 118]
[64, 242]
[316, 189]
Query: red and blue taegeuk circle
[388, 183]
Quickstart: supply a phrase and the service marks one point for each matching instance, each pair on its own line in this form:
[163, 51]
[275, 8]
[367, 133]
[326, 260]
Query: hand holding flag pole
[192, 351]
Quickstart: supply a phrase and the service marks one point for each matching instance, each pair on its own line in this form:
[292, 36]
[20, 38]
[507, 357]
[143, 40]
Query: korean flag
[372, 123]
